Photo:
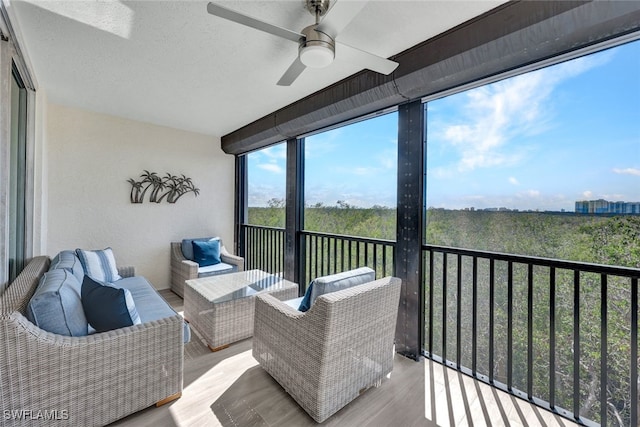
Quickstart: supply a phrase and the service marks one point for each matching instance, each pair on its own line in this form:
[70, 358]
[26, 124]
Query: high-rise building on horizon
[602, 206]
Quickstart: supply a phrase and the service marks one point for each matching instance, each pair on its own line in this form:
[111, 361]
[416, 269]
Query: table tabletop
[233, 286]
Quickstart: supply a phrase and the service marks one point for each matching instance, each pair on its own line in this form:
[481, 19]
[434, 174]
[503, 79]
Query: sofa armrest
[114, 373]
[127, 271]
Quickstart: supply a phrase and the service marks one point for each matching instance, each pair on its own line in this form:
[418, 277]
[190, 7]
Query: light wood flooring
[228, 388]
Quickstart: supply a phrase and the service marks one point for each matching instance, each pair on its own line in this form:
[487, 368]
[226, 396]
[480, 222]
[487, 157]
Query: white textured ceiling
[173, 64]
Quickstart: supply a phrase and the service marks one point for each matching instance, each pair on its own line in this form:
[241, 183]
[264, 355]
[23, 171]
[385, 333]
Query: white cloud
[271, 167]
[363, 171]
[588, 194]
[627, 171]
[496, 114]
[275, 152]
[513, 180]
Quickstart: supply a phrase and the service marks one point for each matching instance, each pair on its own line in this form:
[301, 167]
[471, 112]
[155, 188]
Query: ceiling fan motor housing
[317, 49]
[318, 7]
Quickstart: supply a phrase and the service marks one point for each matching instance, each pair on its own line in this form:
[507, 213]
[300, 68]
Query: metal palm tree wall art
[169, 187]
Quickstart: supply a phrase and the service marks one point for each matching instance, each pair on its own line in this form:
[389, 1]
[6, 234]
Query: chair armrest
[228, 258]
[280, 326]
[127, 271]
[114, 373]
[181, 269]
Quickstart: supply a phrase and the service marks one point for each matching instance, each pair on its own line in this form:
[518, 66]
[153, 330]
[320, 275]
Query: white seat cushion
[211, 270]
[294, 303]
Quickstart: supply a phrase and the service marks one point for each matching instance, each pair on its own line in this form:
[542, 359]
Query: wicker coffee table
[221, 307]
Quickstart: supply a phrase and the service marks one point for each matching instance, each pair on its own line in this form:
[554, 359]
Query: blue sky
[541, 140]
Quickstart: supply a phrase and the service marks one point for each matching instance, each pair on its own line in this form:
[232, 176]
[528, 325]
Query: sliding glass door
[17, 175]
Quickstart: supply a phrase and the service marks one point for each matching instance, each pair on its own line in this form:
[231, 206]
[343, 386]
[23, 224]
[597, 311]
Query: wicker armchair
[184, 269]
[324, 358]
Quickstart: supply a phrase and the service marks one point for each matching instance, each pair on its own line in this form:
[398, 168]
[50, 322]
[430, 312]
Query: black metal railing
[549, 331]
[322, 253]
[563, 335]
[264, 248]
[329, 254]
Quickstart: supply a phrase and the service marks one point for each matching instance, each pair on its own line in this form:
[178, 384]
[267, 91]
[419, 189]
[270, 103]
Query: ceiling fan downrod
[317, 50]
[318, 8]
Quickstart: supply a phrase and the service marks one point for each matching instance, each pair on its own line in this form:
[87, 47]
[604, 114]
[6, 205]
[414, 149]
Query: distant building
[602, 206]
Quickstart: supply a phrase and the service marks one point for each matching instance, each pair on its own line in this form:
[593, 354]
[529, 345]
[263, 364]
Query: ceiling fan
[317, 46]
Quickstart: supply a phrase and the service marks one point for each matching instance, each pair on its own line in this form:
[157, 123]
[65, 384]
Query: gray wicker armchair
[324, 358]
[184, 269]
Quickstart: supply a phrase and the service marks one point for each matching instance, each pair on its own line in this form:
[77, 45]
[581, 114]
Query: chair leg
[169, 399]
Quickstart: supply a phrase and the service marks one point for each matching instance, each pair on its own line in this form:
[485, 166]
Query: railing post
[410, 214]
[294, 258]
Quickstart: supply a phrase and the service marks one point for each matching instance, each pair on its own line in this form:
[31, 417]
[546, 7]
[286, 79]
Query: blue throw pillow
[107, 307]
[206, 253]
[187, 245]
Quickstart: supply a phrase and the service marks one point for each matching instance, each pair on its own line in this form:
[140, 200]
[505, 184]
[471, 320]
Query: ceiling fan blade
[365, 59]
[292, 73]
[252, 22]
[339, 15]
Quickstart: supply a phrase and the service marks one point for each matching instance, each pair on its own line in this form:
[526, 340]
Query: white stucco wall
[40, 181]
[90, 158]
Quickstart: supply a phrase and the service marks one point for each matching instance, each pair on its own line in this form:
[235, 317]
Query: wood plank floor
[228, 388]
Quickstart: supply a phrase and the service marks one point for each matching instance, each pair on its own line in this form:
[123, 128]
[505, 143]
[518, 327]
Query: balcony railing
[548, 331]
[552, 332]
[329, 254]
[264, 248]
[323, 253]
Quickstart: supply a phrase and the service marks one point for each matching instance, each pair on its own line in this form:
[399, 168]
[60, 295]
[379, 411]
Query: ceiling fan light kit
[316, 43]
[317, 50]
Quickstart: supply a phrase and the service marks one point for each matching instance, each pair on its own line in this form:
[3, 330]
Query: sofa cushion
[100, 265]
[68, 261]
[108, 307]
[151, 306]
[187, 246]
[56, 305]
[206, 253]
[335, 282]
[220, 268]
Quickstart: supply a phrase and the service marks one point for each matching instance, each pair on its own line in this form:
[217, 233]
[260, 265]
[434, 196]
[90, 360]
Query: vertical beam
[5, 150]
[474, 319]
[576, 344]
[552, 338]
[635, 380]
[492, 292]
[294, 258]
[530, 331]
[603, 349]
[410, 214]
[241, 206]
[510, 326]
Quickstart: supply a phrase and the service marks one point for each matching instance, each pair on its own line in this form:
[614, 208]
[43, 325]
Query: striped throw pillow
[99, 265]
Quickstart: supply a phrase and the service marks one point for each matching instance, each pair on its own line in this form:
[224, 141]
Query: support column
[241, 205]
[294, 256]
[410, 215]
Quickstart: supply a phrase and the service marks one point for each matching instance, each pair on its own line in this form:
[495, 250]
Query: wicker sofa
[88, 380]
[325, 357]
[183, 268]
